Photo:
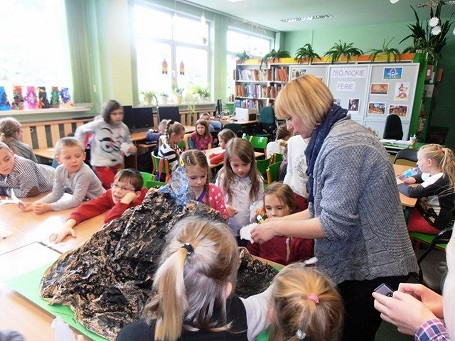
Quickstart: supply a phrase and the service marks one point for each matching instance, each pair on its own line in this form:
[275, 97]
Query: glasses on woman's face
[122, 188]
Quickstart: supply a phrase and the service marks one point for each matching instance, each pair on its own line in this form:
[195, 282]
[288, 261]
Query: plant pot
[179, 99]
[164, 99]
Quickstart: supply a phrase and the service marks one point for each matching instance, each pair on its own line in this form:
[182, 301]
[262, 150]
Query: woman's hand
[402, 310]
[263, 232]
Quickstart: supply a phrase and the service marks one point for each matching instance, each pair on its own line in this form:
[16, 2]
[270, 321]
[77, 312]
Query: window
[170, 49]
[34, 45]
[255, 46]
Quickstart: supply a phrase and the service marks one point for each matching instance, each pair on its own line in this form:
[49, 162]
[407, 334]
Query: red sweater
[276, 249]
[102, 204]
[215, 159]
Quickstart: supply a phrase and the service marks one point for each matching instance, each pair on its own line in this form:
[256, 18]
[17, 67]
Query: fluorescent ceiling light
[311, 17]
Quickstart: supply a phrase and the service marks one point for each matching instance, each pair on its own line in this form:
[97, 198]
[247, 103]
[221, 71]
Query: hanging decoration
[204, 29]
[164, 67]
[182, 68]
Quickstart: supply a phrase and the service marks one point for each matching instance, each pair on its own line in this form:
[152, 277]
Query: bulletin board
[391, 91]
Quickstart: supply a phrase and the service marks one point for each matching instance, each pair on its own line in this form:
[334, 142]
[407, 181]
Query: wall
[323, 40]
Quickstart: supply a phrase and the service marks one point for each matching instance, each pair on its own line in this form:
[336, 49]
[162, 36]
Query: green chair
[259, 143]
[273, 172]
[160, 166]
[277, 157]
[263, 164]
[154, 184]
[147, 177]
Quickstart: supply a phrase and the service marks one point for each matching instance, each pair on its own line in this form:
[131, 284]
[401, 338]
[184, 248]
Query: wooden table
[405, 200]
[218, 150]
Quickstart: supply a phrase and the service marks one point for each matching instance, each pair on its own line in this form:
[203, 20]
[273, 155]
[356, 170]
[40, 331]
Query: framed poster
[376, 108]
[297, 71]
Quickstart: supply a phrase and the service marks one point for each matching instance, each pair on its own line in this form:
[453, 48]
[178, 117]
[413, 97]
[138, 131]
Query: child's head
[435, 157]
[305, 302]
[279, 200]
[9, 128]
[202, 128]
[112, 112]
[162, 126]
[174, 132]
[197, 272]
[126, 180]
[224, 136]
[282, 133]
[197, 169]
[6, 159]
[239, 161]
[70, 153]
[205, 116]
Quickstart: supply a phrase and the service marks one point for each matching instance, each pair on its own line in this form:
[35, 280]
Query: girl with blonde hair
[305, 305]
[193, 290]
[11, 135]
[435, 191]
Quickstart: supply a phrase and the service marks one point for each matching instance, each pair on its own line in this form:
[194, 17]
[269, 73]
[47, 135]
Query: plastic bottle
[409, 172]
[413, 141]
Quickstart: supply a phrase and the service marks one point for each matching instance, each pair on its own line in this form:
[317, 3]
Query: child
[279, 145]
[197, 170]
[435, 191]
[169, 149]
[305, 305]
[193, 290]
[224, 136]
[213, 125]
[241, 184]
[25, 177]
[110, 142]
[279, 201]
[73, 176]
[11, 135]
[126, 191]
[202, 137]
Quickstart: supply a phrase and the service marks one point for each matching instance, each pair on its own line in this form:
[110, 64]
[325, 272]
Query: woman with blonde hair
[305, 305]
[193, 290]
[354, 211]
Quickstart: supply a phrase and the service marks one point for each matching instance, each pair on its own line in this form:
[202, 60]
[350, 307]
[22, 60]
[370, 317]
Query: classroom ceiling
[344, 13]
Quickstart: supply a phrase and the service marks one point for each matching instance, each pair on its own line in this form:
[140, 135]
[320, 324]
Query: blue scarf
[335, 114]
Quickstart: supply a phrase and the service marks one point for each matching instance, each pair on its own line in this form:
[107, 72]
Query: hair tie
[171, 122]
[313, 297]
[188, 248]
[300, 334]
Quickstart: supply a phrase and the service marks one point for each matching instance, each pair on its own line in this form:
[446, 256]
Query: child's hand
[129, 198]
[260, 211]
[25, 206]
[231, 210]
[59, 236]
[40, 207]
[132, 149]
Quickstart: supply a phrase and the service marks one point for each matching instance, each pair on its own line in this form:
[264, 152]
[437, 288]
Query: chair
[263, 164]
[160, 166]
[266, 125]
[189, 143]
[147, 177]
[168, 113]
[154, 184]
[406, 154]
[393, 128]
[236, 128]
[277, 157]
[438, 241]
[258, 142]
[273, 172]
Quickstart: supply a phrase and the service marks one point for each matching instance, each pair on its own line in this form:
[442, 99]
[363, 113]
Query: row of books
[249, 103]
[280, 74]
[258, 90]
[253, 75]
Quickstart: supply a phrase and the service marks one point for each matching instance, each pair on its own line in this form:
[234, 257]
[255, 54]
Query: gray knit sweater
[357, 202]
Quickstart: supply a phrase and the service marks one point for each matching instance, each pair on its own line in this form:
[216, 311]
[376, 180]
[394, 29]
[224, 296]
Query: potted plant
[178, 93]
[164, 97]
[386, 51]
[306, 52]
[149, 96]
[242, 56]
[343, 49]
[429, 37]
[203, 93]
[274, 55]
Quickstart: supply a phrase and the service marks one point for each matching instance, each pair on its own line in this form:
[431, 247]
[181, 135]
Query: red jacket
[102, 204]
[276, 249]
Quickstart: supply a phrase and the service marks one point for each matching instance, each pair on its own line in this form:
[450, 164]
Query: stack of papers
[397, 142]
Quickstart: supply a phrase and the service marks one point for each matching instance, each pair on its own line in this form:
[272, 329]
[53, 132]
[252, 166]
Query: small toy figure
[182, 68]
[164, 67]
[55, 102]
[43, 102]
[31, 100]
[66, 98]
[18, 99]
[4, 103]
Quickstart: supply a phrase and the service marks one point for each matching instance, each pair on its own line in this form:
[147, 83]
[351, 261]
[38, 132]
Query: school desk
[405, 200]
[218, 150]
